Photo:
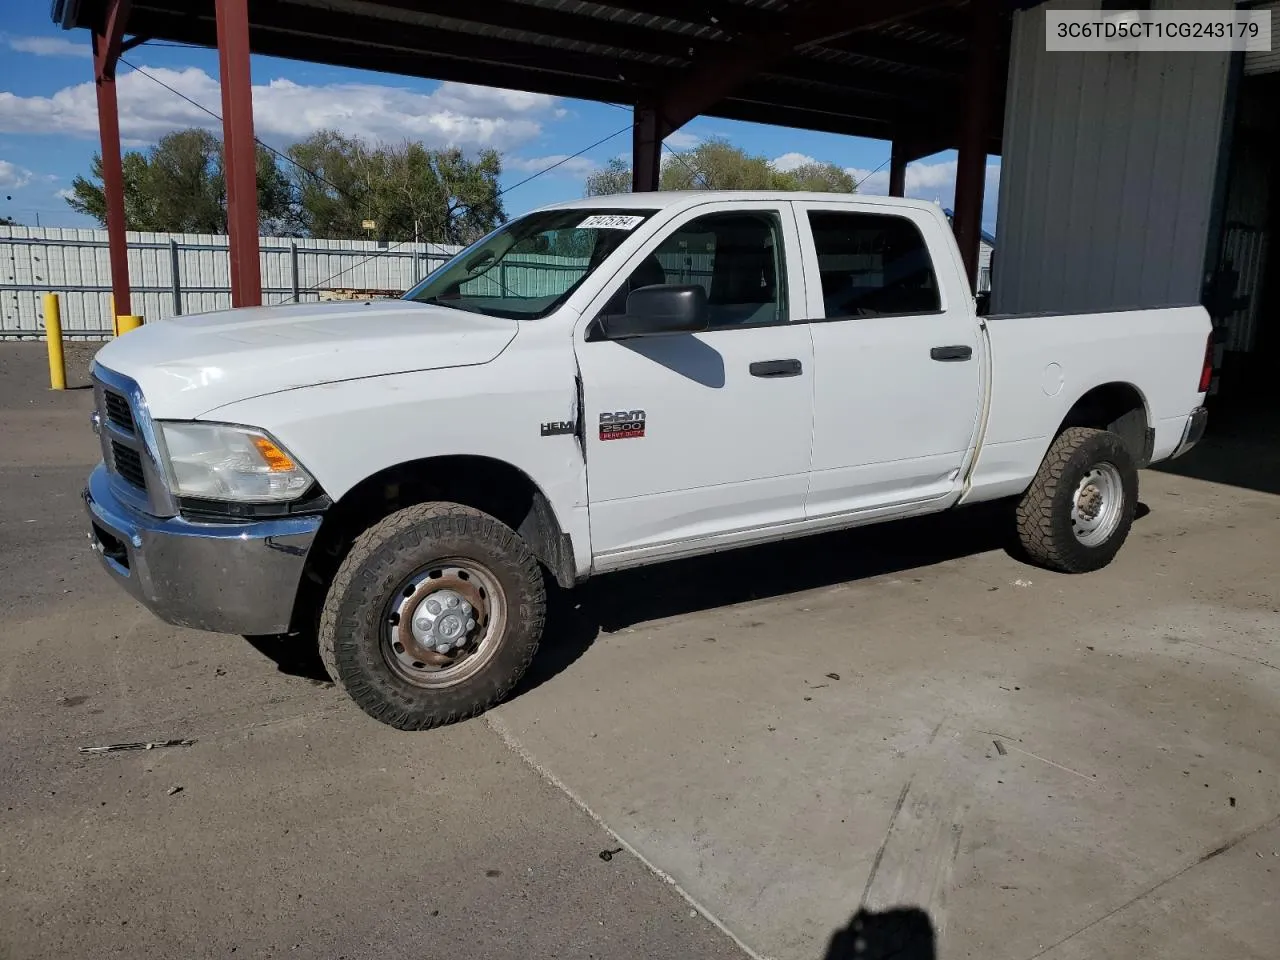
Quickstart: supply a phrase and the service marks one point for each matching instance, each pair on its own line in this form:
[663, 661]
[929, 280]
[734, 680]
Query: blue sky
[48, 121]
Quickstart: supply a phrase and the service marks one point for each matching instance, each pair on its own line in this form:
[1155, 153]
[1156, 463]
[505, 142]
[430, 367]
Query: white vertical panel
[1107, 175]
[1266, 61]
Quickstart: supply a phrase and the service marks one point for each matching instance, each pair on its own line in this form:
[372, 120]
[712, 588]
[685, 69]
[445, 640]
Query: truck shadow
[612, 602]
[575, 618]
[1241, 448]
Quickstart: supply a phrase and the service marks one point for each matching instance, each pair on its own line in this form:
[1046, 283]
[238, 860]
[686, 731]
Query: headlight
[219, 461]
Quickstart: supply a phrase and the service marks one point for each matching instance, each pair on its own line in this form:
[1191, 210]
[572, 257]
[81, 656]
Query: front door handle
[955, 352]
[776, 368]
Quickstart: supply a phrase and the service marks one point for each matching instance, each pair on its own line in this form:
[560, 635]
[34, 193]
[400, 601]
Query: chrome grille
[128, 463]
[117, 410]
[127, 434]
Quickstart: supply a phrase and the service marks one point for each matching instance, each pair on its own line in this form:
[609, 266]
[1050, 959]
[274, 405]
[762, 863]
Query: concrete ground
[989, 760]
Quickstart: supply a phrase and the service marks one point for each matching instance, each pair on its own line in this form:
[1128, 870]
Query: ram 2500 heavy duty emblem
[622, 425]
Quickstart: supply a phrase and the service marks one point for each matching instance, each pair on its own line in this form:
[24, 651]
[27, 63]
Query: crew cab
[602, 384]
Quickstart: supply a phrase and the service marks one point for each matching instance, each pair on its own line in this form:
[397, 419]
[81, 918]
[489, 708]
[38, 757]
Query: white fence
[177, 273]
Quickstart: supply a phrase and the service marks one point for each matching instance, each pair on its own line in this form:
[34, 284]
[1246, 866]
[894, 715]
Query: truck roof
[661, 200]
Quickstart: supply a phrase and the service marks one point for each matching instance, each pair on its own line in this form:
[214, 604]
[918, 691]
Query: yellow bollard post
[53, 338]
[128, 321]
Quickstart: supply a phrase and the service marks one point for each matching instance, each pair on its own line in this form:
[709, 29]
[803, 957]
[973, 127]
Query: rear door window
[872, 264]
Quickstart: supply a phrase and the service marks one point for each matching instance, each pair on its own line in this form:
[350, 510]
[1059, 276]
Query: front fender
[348, 431]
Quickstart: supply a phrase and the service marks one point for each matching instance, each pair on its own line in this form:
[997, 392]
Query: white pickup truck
[597, 385]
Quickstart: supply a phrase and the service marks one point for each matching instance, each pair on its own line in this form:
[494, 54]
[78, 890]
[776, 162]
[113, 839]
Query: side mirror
[659, 311]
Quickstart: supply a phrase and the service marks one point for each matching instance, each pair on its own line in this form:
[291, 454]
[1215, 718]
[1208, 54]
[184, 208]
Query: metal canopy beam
[646, 149]
[856, 108]
[651, 38]
[898, 169]
[240, 152]
[843, 66]
[442, 62]
[106, 52]
[971, 165]
[271, 15]
[728, 18]
[812, 22]
[550, 23]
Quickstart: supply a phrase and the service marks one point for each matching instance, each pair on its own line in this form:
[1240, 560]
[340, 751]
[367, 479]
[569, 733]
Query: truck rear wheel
[433, 616]
[1078, 510]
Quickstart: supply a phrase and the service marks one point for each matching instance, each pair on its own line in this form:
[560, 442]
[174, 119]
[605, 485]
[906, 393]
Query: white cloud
[12, 175]
[455, 114]
[682, 140]
[925, 181]
[574, 167]
[791, 161]
[49, 46]
[65, 194]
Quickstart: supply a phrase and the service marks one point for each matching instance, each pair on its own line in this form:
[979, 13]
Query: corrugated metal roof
[875, 82]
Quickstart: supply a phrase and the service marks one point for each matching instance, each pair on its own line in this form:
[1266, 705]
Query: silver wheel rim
[1097, 505]
[443, 623]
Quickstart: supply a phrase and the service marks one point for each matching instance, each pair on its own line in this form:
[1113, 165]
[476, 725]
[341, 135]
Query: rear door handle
[957, 351]
[776, 368]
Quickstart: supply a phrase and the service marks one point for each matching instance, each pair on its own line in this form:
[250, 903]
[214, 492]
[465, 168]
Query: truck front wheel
[433, 616]
[1078, 510]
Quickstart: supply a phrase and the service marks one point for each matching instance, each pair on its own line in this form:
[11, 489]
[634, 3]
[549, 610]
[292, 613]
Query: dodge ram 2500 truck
[597, 385]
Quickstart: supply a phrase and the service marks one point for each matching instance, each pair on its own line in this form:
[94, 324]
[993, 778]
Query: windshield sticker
[610, 222]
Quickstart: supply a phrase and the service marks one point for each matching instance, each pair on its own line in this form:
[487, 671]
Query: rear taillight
[1206, 372]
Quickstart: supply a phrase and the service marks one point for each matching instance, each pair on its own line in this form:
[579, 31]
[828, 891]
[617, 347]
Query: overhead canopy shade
[890, 69]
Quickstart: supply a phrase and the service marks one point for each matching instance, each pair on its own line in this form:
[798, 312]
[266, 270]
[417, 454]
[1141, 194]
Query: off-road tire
[1044, 512]
[380, 559]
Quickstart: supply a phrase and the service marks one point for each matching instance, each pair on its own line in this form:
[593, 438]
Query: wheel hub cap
[443, 620]
[1098, 505]
[1089, 503]
[437, 618]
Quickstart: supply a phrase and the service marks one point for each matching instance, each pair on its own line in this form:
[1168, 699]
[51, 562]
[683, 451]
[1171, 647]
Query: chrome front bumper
[1192, 432]
[226, 577]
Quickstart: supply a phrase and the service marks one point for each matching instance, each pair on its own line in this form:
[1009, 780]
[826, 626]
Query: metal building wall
[1107, 175]
[1266, 61]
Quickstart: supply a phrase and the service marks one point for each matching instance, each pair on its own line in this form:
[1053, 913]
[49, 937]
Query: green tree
[614, 178]
[408, 191]
[718, 165]
[820, 178]
[8, 222]
[179, 186]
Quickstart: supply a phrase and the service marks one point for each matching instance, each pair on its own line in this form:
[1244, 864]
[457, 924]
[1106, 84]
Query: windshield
[528, 267]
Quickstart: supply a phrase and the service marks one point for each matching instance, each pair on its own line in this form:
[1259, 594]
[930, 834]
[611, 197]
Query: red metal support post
[106, 51]
[240, 155]
[898, 169]
[971, 165]
[646, 149]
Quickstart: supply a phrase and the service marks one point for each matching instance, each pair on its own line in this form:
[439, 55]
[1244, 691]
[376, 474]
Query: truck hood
[188, 366]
